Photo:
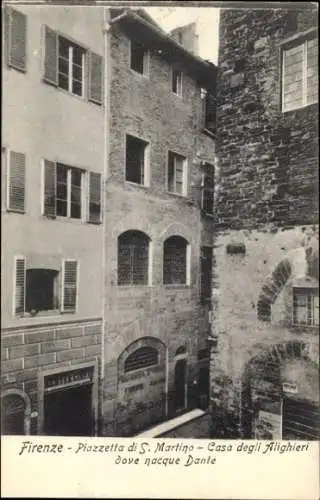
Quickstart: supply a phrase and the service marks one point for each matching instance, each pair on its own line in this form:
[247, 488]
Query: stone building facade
[264, 357]
[107, 222]
[156, 325]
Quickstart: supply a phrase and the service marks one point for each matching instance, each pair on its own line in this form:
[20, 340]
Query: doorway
[180, 384]
[68, 412]
[300, 420]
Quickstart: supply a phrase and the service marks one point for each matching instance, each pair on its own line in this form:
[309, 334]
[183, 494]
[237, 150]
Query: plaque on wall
[69, 378]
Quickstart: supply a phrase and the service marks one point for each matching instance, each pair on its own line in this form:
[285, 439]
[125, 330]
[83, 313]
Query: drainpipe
[106, 136]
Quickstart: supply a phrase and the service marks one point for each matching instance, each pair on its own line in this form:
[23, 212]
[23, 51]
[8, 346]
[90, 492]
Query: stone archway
[15, 412]
[282, 376]
[142, 385]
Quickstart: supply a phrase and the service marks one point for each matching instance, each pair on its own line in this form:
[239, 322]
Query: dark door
[68, 412]
[12, 414]
[300, 420]
[180, 384]
[203, 386]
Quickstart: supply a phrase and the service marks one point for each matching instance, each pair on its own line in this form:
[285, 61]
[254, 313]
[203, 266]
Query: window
[133, 258]
[139, 58]
[207, 194]
[176, 82]
[16, 173]
[300, 75]
[306, 307]
[73, 68]
[69, 288]
[175, 261]
[176, 173]
[144, 357]
[41, 290]
[15, 39]
[136, 160]
[206, 274]
[63, 192]
[36, 289]
[210, 113]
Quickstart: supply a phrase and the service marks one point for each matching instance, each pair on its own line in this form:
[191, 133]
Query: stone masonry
[266, 221]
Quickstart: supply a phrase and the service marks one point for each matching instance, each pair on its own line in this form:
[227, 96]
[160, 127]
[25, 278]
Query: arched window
[13, 408]
[143, 357]
[133, 258]
[175, 261]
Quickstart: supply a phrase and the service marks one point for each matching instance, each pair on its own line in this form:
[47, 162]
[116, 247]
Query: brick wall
[267, 158]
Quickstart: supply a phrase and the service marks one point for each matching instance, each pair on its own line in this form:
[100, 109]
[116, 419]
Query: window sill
[209, 132]
[140, 75]
[12, 66]
[15, 211]
[178, 195]
[77, 97]
[206, 214]
[176, 286]
[304, 106]
[136, 184]
[41, 314]
[177, 95]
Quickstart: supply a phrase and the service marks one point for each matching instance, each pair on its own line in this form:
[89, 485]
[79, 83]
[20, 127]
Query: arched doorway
[15, 413]
[141, 386]
[280, 393]
[180, 385]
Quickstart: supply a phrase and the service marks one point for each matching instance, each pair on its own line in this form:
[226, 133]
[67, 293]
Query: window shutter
[69, 292]
[50, 187]
[95, 86]
[94, 197]
[20, 278]
[50, 56]
[16, 39]
[16, 181]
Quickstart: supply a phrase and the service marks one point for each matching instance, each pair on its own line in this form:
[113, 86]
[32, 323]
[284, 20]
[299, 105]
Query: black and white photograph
[160, 238]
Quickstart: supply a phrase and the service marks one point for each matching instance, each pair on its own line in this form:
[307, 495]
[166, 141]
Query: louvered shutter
[20, 281]
[211, 113]
[16, 39]
[94, 197]
[16, 181]
[69, 295]
[95, 84]
[50, 188]
[50, 56]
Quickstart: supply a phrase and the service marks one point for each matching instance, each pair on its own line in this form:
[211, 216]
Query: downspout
[106, 150]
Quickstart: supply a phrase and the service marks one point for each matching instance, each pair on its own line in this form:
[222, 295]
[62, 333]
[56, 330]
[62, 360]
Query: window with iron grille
[175, 261]
[306, 307]
[300, 75]
[73, 68]
[206, 273]
[15, 31]
[207, 194]
[136, 160]
[176, 180]
[69, 288]
[133, 258]
[176, 81]
[144, 357]
[16, 178]
[139, 58]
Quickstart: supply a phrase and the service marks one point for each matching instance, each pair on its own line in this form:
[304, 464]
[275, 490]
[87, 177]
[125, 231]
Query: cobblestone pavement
[196, 429]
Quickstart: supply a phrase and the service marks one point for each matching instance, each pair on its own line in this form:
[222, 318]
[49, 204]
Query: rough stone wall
[268, 159]
[265, 212]
[25, 352]
[146, 108]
